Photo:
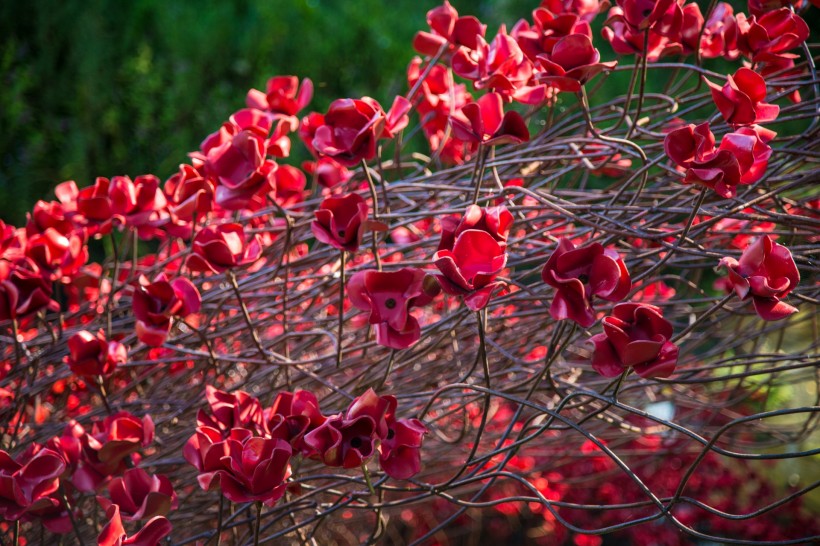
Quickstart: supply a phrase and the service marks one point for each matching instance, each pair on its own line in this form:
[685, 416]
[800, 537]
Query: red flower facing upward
[140, 495]
[90, 355]
[485, 122]
[389, 296]
[740, 101]
[113, 534]
[720, 34]
[24, 291]
[28, 483]
[340, 222]
[579, 274]
[662, 16]
[57, 255]
[106, 451]
[400, 455]
[222, 247]
[766, 272]
[572, 63]
[240, 166]
[231, 410]
[742, 157]
[350, 130]
[771, 34]
[636, 335]
[547, 29]
[496, 221]
[585, 9]
[448, 27]
[626, 40]
[292, 415]
[469, 269]
[156, 302]
[283, 95]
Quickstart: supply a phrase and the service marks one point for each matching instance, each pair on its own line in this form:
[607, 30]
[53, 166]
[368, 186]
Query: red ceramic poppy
[771, 34]
[292, 415]
[240, 167]
[740, 100]
[580, 274]
[140, 495]
[155, 303]
[485, 122]
[283, 95]
[113, 534]
[496, 221]
[720, 34]
[546, 30]
[24, 291]
[90, 355]
[635, 335]
[766, 273]
[229, 410]
[28, 483]
[340, 222]
[447, 27]
[389, 296]
[56, 254]
[400, 455]
[350, 130]
[471, 267]
[662, 16]
[572, 63]
[222, 247]
[626, 40]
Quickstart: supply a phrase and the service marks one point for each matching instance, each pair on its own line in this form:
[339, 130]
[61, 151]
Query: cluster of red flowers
[221, 217]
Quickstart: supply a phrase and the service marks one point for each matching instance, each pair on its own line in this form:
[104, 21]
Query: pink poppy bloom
[771, 34]
[389, 296]
[222, 247]
[572, 63]
[350, 130]
[635, 335]
[340, 222]
[740, 100]
[155, 303]
[27, 483]
[140, 495]
[766, 273]
[229, 410]
[283, 95]
[580, 274]
[113, 534]
[90, 355]
[447, 27]
[469, 269]
[485, 122]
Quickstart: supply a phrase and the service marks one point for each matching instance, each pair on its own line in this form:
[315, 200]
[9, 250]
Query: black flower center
[341, 233]
[647, 12]
[390, 303]
[583, 278]
[390, 434]
[356, 442]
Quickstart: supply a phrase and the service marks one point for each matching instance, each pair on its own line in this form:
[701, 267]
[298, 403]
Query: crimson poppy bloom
[572, 63]
[485, 122]
[283, 95]
[470, 268]
[447, 27]
[327, 172]
[205, 450]
[113, 534]
[350, 130]
[627, 40]
[252, 468]
[740, 100]
[741, 158]
[57, 255]
[292, 415]
[496, 221]
[154, 304]
[547, 29]
[222, 247]
[585, 9]
[229, 410]
[140, 495]
[90, 355]
[766, 272]
[662, 16]
[636, 335]
[389, 296]
[720, 34]
[400, 455]
[27, 483]
[340, 221]
[105, 451]
[579, 274]
[24, 291]
[240, 166]
[771, 34]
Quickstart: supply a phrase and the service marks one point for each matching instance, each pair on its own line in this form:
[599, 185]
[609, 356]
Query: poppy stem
[71, 516]
[219, 520]
[110, 301]
[372, 186]
[17, 533]
[103, 394]
[258, 524]
[369, 483]
[341, 309]
[388, 370]
[246, 315]
[642, 87]
[478, 172]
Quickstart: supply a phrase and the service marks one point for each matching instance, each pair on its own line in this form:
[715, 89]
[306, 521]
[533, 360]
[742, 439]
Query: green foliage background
[103, 87]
